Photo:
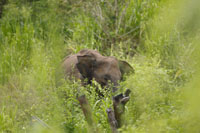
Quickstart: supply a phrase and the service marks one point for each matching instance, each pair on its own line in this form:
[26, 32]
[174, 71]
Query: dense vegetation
[160, 39]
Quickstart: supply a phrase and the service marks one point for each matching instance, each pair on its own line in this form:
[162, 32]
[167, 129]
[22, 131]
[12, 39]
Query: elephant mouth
[107, 87]
[115, 88]
[110, 86]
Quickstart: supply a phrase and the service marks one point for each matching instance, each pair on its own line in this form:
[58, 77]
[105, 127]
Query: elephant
[89, 64]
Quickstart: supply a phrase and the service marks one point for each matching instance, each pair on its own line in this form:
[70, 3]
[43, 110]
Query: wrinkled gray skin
[90, 64]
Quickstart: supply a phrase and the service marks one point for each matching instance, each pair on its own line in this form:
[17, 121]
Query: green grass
[160, 39]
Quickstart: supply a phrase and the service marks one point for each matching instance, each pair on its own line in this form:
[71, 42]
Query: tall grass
[158, 38]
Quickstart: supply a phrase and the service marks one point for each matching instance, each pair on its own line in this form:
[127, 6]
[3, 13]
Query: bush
[155, 37]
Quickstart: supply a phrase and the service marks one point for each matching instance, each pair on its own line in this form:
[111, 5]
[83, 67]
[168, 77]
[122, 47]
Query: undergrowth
[158, 38]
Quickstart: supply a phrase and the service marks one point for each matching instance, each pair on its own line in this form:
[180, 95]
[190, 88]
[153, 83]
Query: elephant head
[104, 69]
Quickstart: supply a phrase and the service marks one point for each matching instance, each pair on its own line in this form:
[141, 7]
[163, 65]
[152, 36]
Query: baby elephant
[90, 64]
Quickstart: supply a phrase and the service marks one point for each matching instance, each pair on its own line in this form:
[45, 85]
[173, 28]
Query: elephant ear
[125, 68]
[85, 65]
